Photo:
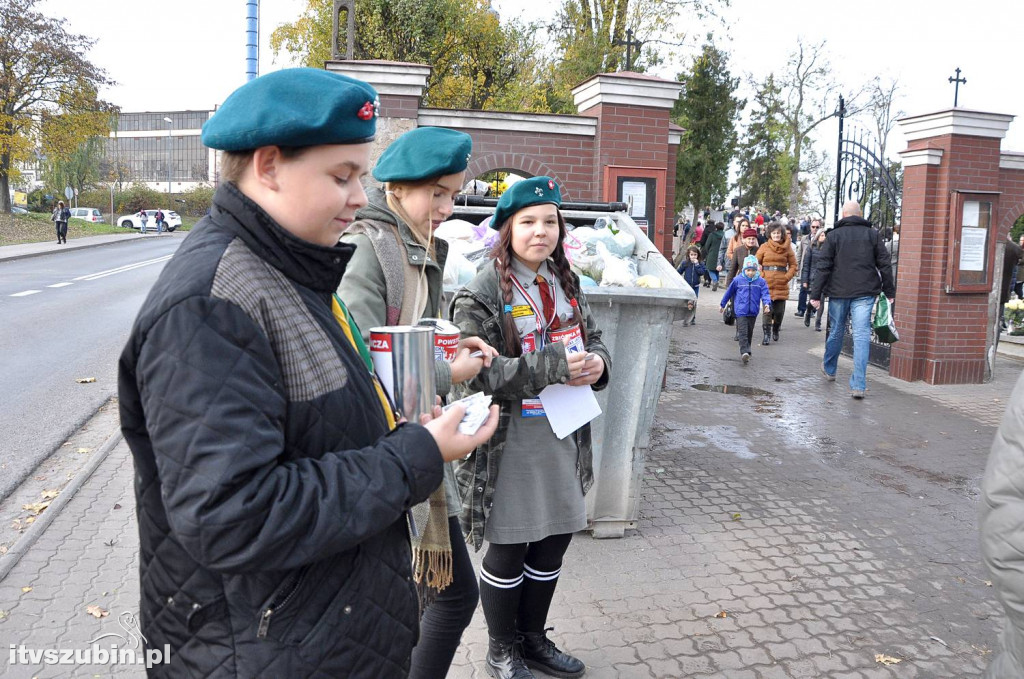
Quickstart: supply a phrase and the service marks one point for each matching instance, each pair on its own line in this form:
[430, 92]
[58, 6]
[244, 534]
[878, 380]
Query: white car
[89, 214]
[171, 220]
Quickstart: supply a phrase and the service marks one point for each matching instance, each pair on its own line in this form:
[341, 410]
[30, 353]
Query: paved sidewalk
[23, 250]
[784, 532]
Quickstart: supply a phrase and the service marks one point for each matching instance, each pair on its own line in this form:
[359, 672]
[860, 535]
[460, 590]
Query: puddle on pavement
[733, 389]
[728, 439]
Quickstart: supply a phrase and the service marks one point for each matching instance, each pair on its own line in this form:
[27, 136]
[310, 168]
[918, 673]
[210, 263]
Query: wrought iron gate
[864, 176]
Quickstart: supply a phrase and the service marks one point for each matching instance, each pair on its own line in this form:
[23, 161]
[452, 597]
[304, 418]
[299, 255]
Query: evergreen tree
[707, 111]
[766, 164]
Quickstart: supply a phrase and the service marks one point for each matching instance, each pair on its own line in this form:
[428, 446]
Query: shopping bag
[883, 324]
[728, 316]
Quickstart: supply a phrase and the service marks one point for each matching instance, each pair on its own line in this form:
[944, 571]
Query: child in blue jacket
[692, 271]
[751, 295]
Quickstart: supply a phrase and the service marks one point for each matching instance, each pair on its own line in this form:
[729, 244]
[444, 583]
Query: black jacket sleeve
[883, 262]
[238, 495]
[822, 270]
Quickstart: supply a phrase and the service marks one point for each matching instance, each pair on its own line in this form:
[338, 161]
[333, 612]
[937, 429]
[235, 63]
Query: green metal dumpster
[637, 327]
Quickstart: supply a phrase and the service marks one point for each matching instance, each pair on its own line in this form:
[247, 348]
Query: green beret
[294, 107]
[524, 193]
[422, 153]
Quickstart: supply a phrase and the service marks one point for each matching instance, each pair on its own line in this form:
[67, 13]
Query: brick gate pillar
[400, 87]
[945, 332]
[634, 147]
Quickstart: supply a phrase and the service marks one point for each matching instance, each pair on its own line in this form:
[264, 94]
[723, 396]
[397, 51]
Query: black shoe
[714, 286]
[540, 653]
[817, 327]
[775, 334]
[693, 321]
[505, 660]
[767, 338]
[807, 321]
[799, 314]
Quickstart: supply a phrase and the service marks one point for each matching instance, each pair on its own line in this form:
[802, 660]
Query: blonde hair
[234, 163]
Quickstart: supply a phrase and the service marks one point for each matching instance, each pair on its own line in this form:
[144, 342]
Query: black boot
[767, 338]
[505, 660]
[807, 320]
[541, 654]
[775, 334]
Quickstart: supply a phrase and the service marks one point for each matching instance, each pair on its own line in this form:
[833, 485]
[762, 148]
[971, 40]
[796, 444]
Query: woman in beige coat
[778, 266]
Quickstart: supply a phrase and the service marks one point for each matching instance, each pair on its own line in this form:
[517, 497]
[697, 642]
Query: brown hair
[694, 248]
[234, 163]
[502, 255]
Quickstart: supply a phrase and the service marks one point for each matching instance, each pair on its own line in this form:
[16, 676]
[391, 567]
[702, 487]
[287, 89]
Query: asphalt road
[65, 316]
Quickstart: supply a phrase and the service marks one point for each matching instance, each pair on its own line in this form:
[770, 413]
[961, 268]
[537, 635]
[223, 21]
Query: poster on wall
[640, 195]
[634, 194]
[972, 248]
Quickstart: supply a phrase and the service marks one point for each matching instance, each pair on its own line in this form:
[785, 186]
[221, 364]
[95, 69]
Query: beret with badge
[423, 153]
[524, 193]
[294, 107]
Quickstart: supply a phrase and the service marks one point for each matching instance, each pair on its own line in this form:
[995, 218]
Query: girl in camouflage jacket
[528, 305]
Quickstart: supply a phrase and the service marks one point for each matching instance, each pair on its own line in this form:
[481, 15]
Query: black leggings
[518, 582]
[774, 319]
[445, 619]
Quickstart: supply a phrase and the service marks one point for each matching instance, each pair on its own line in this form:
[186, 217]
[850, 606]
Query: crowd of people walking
[849, 266]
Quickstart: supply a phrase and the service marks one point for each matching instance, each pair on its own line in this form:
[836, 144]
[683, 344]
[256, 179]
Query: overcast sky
[190, 54]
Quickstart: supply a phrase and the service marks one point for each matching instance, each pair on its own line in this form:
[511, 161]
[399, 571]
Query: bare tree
[882, 96]
[811, 94]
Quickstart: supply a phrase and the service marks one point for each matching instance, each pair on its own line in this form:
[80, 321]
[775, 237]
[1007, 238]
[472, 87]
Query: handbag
[728, 315]
[883, 324]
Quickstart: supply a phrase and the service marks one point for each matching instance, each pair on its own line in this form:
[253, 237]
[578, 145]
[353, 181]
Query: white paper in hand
[477, 411]
[568, 408]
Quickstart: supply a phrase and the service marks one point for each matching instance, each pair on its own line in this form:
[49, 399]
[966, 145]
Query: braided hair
[502, 254]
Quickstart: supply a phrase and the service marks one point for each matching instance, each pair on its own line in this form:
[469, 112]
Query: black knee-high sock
[499, 597]
[538, 590]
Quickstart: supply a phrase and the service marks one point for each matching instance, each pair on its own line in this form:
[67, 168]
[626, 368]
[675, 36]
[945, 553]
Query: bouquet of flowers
[1014, 315]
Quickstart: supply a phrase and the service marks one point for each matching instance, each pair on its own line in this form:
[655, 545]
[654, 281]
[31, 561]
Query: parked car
[15, 210]
[171, 218]
[89, 214]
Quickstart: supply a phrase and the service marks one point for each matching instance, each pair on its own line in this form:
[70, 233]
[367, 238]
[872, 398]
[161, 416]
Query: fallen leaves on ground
[83, 450]
[96, 612]
[85, 380]
[36, 507]
[737, 516]
[26, 590]
[50, 494]
[117, 506]
[721, 614]
[886, 659]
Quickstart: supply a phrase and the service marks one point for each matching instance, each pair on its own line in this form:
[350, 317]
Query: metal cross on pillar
[630, 44]
[348, 8]
[957, 80]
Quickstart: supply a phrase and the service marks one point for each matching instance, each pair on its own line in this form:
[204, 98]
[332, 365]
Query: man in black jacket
[270, 481]
[852, 267]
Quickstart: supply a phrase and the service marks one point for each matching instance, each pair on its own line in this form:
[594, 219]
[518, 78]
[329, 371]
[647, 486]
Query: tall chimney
[252, 39]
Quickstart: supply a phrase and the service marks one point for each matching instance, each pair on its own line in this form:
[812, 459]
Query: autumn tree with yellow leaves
[48, 89]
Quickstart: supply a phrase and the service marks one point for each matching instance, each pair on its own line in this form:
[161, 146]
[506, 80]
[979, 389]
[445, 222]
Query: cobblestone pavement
[785, 531]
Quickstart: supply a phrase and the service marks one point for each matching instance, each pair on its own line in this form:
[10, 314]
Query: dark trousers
[801, 301]
[745, 331]
[448, 615]
[774, 319]
[809, 312]
[62, 230]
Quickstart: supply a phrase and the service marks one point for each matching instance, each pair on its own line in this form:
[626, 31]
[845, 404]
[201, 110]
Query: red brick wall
[568, 158]
[943, 337]
[635, 136]
[396, 106]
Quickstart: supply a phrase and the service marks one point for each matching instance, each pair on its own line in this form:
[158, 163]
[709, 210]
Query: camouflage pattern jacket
[476, 309]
